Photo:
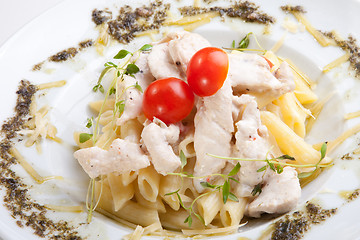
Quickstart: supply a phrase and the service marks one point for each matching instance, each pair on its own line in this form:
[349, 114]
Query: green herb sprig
[223, 188]
[127, 67]
[317, 165]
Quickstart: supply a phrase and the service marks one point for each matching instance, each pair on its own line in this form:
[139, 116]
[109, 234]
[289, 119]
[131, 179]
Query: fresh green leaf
[225, 191]
[112, 91]
[101, 88]
[279, 168]
[89, 122]
[234, 179]
[138, 87]
[235, 170]
[287, 157]
[188, 220]
[323, 150]
[271, 165]
[110, 65]
[183, 159]
[83, 137]
[118, 73]
[120, 106]
[207, 185]
[232, 197]
[122, 54]
[257, 189]
[131, 69]
[233, 44]
[262, 169]
[305, 174]
[146, 47]
[102, 74]
[180, 200]
[244, 43]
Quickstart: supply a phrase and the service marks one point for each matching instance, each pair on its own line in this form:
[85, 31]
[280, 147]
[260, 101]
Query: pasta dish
[190, 143]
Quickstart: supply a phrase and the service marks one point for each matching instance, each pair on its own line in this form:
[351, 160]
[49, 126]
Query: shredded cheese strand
[319, 37]
[352, 115]
[29, 169]
[223, 230]
[51, 85]
[337, 62]
[59, 208]
[335, 143]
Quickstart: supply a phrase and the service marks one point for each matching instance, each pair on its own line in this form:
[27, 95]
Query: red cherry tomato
[169, 100]
[269, 62]
[207, 71]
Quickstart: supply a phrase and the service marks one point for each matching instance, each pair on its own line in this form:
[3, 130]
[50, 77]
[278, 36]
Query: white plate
[70, 22]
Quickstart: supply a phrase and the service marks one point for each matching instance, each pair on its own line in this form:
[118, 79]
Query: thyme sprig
[223, 188]
[317, 165]
[244, 44]
[126, 67]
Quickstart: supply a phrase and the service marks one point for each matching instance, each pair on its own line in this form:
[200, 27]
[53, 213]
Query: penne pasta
[148, 183]
[289, 142]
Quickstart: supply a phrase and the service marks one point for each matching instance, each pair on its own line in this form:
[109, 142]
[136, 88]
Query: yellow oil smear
[29, 169]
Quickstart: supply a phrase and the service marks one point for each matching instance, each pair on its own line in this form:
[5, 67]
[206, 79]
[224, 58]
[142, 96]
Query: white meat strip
[132, 96]
[161, 64]
[213, 132]
[279, 195]
[251, 143]
[157, 138]
[123, 156]
[285, 75]
[184, 45]
[251, 73]
[144, 77]
[132, 100]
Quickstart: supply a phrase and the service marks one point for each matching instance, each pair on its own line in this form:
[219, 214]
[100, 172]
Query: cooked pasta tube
[232, 212]
[120, 193]
[128, 177]
[209, 206]
[292, 114]
[187, 146]
[174, 220]
[129, 212]
[131, 130]
[289, 142]
[158, 205]
[168, 184]
[108, 105]
[148, 182]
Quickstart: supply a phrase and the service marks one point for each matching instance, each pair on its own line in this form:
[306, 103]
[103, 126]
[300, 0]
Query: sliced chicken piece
[183, 46]
[144, 77]
[157, 138]
[251, 143]
[123, 156]
[285, 75]
[161, 63]
[213, 132]
[251, 73]
[280, 194]
[132, 100]
[132, 96]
